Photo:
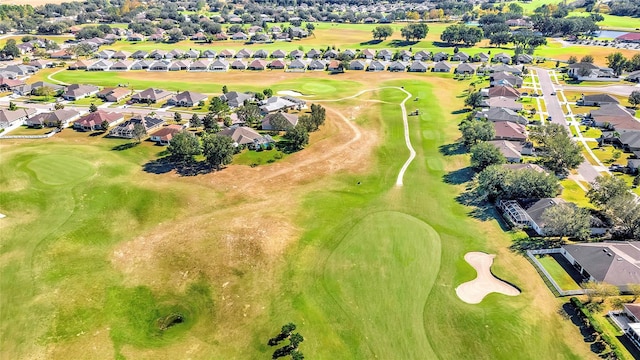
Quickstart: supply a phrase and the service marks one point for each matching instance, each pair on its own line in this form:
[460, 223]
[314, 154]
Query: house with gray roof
[236, 99]
[418, 66]
[269, 121]
[77, 91]
[440, 56]
[442, 66]
[246, 136]
[376, 65]
[597, 100]
[422, 55]
[151, 96]
[501, 114]
[465, 69]
[186, 99]
[460, 56]
[612, 262]
[528, 212]
[397, 66]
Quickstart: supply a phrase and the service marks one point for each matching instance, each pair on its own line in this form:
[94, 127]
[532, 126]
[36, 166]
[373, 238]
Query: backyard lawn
[558, 273]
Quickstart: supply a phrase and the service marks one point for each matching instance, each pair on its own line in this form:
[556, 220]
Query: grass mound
[60, 169]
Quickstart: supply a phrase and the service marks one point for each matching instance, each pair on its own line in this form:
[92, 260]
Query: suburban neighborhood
[318, 179]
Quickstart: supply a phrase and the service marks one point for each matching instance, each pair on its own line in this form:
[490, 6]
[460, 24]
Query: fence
[555, 288]
[48, 135]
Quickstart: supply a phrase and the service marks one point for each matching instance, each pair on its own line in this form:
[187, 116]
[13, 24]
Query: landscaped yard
[24, 130]
[256, 158]
[558, 272]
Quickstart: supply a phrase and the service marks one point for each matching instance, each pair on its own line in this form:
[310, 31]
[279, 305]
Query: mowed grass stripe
[60, 169]
[381, 275]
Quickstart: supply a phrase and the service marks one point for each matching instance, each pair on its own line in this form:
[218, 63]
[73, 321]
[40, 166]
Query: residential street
[585, 170]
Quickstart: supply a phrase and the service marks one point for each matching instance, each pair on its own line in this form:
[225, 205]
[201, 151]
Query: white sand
[290, 93]
[472, 292]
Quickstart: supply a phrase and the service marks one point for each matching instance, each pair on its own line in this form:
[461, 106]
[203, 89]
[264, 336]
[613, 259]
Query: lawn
[256, 158]
[558, 273]
[24, 130]
[98, 254]
[572, 192]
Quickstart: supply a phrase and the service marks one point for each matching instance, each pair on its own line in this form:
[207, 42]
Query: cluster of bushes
[603, 340]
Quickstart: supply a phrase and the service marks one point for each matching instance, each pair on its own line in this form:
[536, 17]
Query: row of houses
[313, 54]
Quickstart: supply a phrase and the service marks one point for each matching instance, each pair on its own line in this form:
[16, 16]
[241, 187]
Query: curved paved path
[405, 120]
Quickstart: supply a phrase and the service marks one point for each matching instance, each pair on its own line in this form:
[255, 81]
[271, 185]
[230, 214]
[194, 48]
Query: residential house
[80, 65]
[208, 54]
[502, 58]
[165, 134]
[245, 136]
[141, 65]
[279, 54]
[174, 54]
[139, 55]
[440, 56]
[511, 150]
[7, 84]
[529, 212]
[367, 54]
[122, 65]
[64, 54]
[296, 54]
[238, 65]
[78, 91]
[502, 102]
[61, 117]
[31, 89]
[94, 120]
[151, 96]
[187, 99]
[628, 140]
[244, 54]
[126, 129]
[334, 65]
[113, 94]
[199, 36]
[496, 114]
[523, 59]
[297, 65]
[191, 54]
[330, 54]
[135, 37]
[236, 99]
[460, 56]
[584, 71]
[178, 65]
[633, 76]
[101, 65]
[261, 54]
[614, 116]
[158, 54]
[226, 54]
[357, 65]
[105, 54]
[628, 320]
[219, 65]
[14, 118]
[504, 91]
[505, 78]
[465, 69]
[507, 130]
[405, 55]
[442, 66]
[597, 100]
[41, 63]
[483, 57]
[397, 66]
[314, 54]
[632, 37]
[290, 120]
[240, 36]
[280, 103]
[385, 55]
[257, 64]
[277, 64]
[198, 65]
[612, 262]
[422, 55]
[376, 65]
[317, 65]
[21, 70]
[159, 65]
[505, 68]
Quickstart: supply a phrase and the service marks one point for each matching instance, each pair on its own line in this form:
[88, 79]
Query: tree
[497, 182]
[634, 98]
[195, 121]
[624, 211]
[139, 131]
[177, 117]
[318, 116]
[58, 106]
[567, 219]
[473, 100]
[295, 340]
[556, 149]
[485, 154]
[225, 89]
[474, 131]
[634, 63]
[217, 149]
[184, 146]
[587, 59]
[249, 114]
[12, 106]
[499, 39]
[572, 59]
[415, 31]
[45, 91]
[104, 125]
[174, 35]
[605, 188]
[218, 107]
[601, 290]
[617, 62]
[297, 136]
[267, 92]
[382, 32]
[210, 123]
[93, 108]
[10, 48]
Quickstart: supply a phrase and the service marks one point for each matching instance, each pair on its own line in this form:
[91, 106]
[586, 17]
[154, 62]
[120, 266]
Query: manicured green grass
[88, 101]
[572, 192]
[564, 280]
[60, 169]
[614, 22]
[255, 158]
[24, 130]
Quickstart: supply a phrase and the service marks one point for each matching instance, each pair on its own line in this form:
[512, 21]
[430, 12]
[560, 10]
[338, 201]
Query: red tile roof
[632, 36]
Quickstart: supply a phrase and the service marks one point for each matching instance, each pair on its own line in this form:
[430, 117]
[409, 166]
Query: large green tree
[497, 182]
[605, 188]
[485, 154]
[297, 136]
[382, 32]
[184, 146]
[218, 150]
[557, 151]
[417, 31]
[474, 131]
[10, 48]
[567, 220]
[617, 62]
[249, 114]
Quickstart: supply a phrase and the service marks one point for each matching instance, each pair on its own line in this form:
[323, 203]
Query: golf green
[386, 264]
[60, 169]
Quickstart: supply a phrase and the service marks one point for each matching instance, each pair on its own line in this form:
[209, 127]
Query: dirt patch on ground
[472, 292]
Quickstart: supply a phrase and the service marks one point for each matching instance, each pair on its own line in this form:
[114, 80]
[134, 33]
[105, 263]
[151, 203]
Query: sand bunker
[472, 292]
[290, 93]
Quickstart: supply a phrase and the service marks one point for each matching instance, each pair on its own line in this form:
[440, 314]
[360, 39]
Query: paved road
[586, 170]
